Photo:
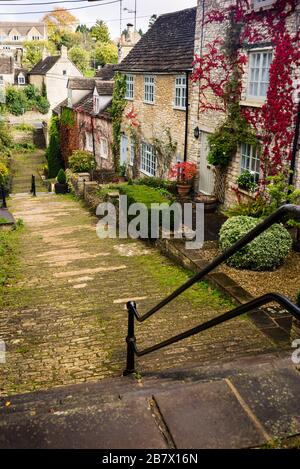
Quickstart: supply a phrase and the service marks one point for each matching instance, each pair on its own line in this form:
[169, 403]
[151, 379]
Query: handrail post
[3, 196]
[130, 339]
[33, 187]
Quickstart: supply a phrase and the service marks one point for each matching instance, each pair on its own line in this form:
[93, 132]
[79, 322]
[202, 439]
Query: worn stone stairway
[243, 404]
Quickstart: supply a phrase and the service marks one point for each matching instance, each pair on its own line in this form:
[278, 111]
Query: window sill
[250, 103]
[247, 193]
[149, 103]
[176, 108]
[147, 174]
[129, 99]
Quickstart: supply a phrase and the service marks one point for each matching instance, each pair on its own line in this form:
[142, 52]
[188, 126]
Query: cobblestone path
[64, 320]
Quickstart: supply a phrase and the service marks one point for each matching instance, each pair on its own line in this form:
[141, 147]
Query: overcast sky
[109, 13]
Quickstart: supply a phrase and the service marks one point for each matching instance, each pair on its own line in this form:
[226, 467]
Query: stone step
[237, 405]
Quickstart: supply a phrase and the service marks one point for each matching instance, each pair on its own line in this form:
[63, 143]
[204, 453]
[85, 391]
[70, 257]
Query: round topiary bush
[266, 252]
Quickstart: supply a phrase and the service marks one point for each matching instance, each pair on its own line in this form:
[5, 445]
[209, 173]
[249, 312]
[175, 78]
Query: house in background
[106, 73]
[51, 75]
[158, 89]
[90, 100]
[128, 41]
[14, 34]
[7, 70]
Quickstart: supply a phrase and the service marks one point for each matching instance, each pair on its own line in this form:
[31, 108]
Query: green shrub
[42, 105]
[144, 195]
[266, 252]
[16, 101]
[53, 153]
[4, 173]
[82, 161]
[61, 177]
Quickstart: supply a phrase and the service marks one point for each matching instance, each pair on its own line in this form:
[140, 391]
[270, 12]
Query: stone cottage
[90, 99]
[7, 70]
[158, 89]
[265, 51]
[14, 34]
[52, 74]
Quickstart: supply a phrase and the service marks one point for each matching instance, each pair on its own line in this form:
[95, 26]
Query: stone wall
[100, 128]
[157, 117]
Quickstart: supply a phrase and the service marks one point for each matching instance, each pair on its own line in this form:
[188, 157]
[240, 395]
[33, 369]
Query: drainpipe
[295, 146]
[93, 137]
[186, 118]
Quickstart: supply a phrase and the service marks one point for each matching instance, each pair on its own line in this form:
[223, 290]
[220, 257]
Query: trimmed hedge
[266, 252]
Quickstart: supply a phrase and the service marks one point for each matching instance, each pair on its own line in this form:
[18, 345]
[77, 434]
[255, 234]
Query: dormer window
[35, 38]
[21, 79]
[96, 104]
[15, 37]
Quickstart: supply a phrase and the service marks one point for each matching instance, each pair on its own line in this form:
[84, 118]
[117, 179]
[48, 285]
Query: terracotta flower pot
[184, 189]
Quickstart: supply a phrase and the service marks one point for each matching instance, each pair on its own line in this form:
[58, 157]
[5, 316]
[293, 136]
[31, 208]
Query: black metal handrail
[293, 211]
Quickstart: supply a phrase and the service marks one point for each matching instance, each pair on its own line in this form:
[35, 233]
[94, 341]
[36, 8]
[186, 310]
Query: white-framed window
[149, 89]
[15, 38]
[132, 153]
[129, 87]
[259, 73]
[1, 80]
[6, 47]
[103, 147]
[21, 79]
[180, 92]
[250, 160]
[96, 104]
[35, 38]
[89, 141]
[64, 72]
[257, 4]
[148, 160]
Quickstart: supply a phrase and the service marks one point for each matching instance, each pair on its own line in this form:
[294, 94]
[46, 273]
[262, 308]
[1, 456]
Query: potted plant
[61, 186]
[184, 173]
[246, 181]
[122, 173]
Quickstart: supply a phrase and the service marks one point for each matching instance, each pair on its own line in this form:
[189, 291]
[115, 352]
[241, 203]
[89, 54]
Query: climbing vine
[116, 111]
[220, 71]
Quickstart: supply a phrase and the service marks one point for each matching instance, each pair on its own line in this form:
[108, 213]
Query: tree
[34, 52]
[100, 32]
[83, 29]
[80, 57]
[152, 20]
[53, 153]
[141, 33]
[60, 18]
[106, 54]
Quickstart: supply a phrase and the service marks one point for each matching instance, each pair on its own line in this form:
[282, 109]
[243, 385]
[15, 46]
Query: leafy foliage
[106, 53]
[156, 183]
[53, 152]
[80, 57]
[246, 181]
[61, 177]
[116, 111]
[82, 161]
[100, 32]
[33, 52]
[18, 101]
[266, 252]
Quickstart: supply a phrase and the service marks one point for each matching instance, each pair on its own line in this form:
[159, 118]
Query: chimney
[64, 52]
[130, 30]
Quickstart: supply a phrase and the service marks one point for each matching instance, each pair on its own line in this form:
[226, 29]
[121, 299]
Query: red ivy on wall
[274, 122]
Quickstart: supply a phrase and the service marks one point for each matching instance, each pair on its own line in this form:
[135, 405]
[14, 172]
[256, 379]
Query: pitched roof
[86, 105]
[104, 88]
[57, 109]
[81, 83]
[106, 73]
[167, 46]
[22, 27]
[6, 65]
[44, 65]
